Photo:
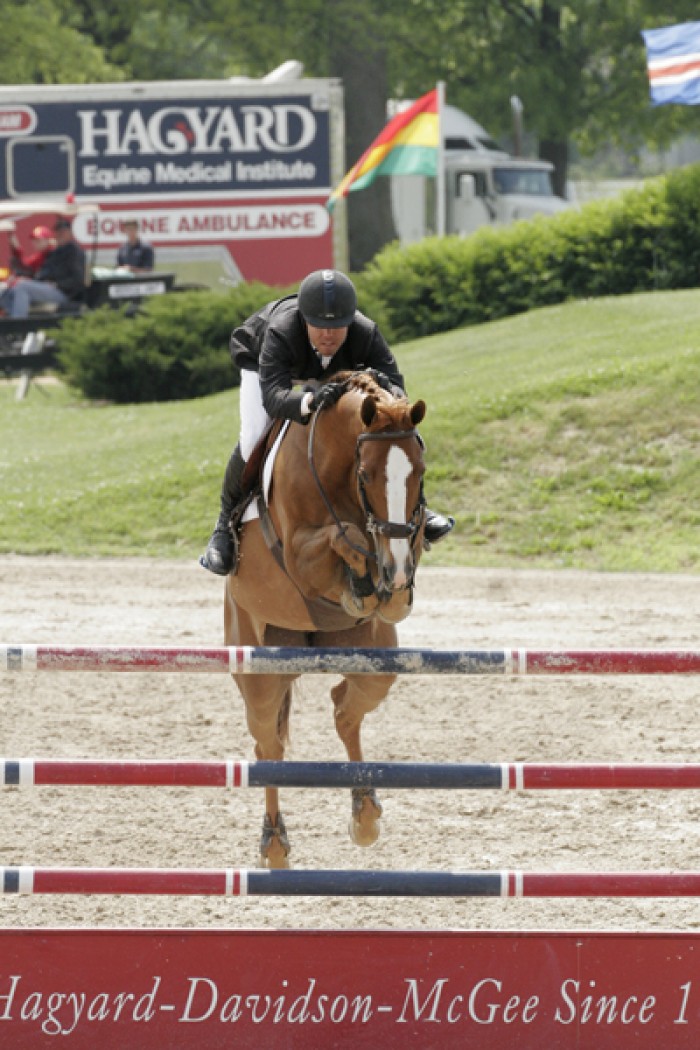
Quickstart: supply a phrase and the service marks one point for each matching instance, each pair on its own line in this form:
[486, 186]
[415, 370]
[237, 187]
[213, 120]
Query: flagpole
[440, 173]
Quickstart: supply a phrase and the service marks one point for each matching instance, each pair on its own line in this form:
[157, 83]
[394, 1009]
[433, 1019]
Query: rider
[310, 335]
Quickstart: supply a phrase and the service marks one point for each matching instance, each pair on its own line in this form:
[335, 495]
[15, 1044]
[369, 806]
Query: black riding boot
[219, 555]
[436, 526]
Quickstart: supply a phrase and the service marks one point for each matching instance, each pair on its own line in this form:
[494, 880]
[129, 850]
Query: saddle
[252, 484]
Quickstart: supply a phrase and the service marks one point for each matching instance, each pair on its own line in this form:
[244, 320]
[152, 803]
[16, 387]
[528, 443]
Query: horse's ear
[417, 412]
[368, 410]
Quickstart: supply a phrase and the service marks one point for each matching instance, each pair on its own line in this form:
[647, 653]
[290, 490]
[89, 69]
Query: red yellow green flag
[408, 145]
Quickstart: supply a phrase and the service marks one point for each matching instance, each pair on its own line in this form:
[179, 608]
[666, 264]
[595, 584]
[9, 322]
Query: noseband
[373, 525]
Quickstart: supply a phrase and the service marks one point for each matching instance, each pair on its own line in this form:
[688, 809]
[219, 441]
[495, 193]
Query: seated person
[136, 255]
[60, 279]
[28, 263]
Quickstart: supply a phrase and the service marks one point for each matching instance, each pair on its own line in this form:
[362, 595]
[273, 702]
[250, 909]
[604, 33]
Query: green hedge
[645, 239]
[177, 346]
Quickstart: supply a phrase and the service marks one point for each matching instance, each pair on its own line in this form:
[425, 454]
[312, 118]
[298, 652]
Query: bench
[34, 357]
[19, 327]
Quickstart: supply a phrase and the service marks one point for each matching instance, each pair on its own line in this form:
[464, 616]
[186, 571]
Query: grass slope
[566, 437]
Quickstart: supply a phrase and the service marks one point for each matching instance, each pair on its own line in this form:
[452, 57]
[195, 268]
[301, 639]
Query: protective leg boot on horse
[221, 555]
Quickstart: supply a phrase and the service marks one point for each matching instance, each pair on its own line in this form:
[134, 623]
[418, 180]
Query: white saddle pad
[251, 511]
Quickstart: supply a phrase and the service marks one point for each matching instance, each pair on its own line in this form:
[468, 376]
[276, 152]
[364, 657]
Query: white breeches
[254, 418]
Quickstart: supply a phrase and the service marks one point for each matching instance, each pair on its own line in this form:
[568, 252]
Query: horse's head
[389, 468]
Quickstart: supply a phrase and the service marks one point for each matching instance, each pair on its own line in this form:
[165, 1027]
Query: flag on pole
[408, 145]
[673, 64]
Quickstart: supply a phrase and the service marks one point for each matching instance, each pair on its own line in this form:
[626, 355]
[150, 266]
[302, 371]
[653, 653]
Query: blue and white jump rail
[290, 660]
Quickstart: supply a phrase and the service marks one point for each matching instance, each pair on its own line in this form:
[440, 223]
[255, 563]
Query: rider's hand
[326, 396]
[382, 380]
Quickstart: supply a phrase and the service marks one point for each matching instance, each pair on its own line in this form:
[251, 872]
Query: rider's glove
[326, 396]
[380, 378]
[384, 382]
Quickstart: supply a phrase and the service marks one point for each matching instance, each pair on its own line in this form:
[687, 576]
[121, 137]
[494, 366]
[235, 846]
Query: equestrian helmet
[327, 299]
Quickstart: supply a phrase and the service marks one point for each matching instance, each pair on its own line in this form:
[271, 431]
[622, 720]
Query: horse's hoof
[274, 844]
[363, 834]
[366, 812]
[273, 863]
[397, 607]
[357, 606]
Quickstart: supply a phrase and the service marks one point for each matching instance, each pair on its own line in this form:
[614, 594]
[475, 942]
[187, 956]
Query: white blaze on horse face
[398, 471]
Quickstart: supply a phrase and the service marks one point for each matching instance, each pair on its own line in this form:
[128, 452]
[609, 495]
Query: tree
[578, 66]
[156, 40]
[350, 41]
[41, 43]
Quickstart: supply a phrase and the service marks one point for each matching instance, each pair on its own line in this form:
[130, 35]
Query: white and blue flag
[673, 64]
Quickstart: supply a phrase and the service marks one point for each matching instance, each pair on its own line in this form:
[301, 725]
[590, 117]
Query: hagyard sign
[157, 145]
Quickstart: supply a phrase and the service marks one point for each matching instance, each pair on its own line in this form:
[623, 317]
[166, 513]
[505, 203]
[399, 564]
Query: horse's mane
[363, 381]
[392, 410]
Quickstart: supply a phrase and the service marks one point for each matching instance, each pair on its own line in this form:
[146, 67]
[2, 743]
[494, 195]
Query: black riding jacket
[275, 343]
[65, 267]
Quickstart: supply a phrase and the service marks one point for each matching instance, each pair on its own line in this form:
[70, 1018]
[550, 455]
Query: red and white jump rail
[241, 882]
[239, 773]
[281, 660]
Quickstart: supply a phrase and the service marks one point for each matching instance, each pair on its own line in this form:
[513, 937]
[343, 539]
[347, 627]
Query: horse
[330, 561]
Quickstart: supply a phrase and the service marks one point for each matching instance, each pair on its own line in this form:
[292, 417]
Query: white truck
[227, 178]
[484, 186]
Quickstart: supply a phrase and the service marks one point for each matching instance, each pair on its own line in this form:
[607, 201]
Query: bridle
[374, 525]
[394, 530]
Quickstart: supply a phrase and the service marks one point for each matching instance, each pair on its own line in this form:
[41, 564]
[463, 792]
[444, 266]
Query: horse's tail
[283, 717]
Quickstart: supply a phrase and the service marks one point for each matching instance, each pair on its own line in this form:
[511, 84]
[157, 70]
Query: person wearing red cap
[25, 263]
[60, 279]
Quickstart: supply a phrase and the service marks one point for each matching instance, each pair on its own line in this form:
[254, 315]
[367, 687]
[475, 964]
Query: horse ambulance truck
[227, 178]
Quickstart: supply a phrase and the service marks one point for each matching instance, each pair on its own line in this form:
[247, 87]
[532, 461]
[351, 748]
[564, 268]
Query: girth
[325, 614]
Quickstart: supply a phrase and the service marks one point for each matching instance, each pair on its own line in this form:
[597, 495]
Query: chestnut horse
[330, 562]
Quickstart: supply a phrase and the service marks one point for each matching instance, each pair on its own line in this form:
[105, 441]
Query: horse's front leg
[331, 562]
[353, 698]
[274, 843]
[268, 700]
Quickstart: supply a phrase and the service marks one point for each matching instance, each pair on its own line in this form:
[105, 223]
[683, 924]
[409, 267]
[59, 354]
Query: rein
[342, 531]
